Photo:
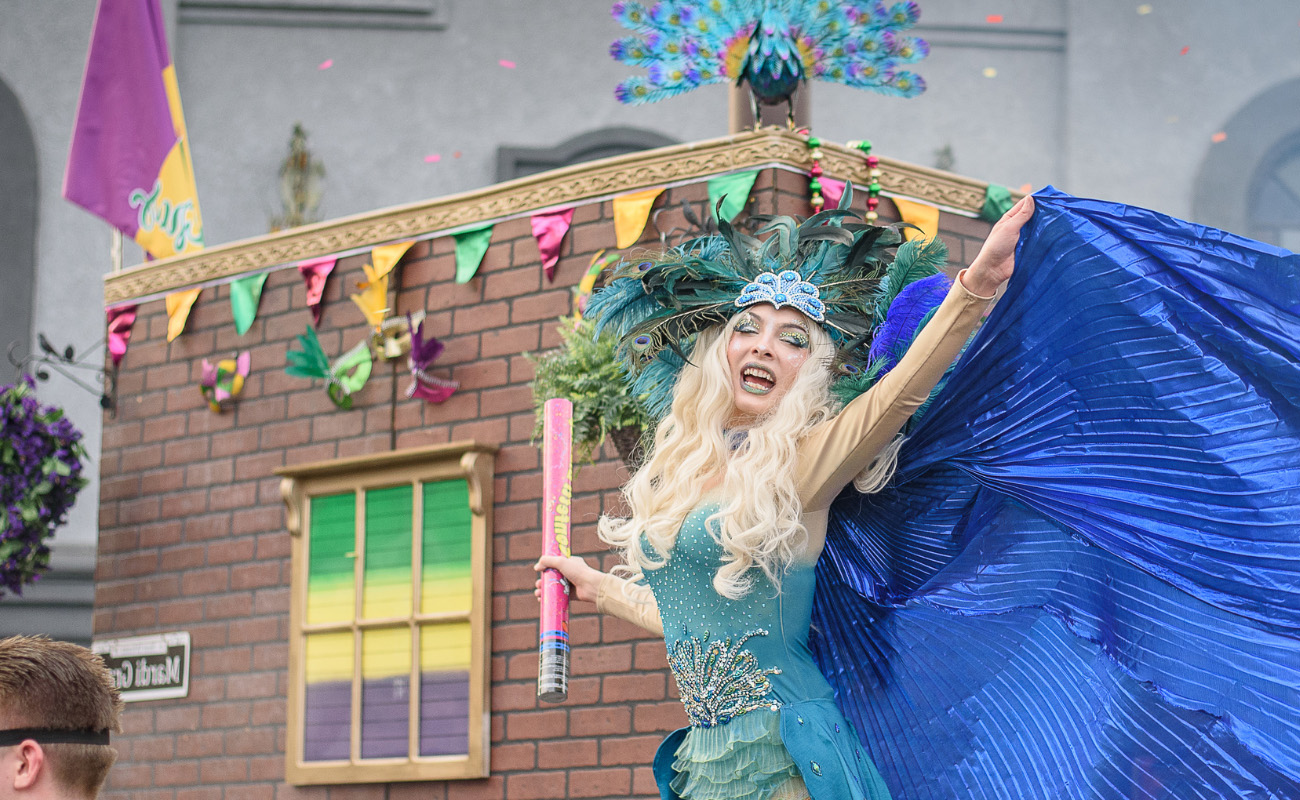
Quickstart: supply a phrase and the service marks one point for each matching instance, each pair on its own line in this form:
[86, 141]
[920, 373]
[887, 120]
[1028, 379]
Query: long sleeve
[629, 601]
[834, 452]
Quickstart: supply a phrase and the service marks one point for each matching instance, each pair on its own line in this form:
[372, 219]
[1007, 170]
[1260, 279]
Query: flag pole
[116, 254]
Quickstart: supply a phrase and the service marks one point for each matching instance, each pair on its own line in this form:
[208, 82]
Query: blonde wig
[758, 523]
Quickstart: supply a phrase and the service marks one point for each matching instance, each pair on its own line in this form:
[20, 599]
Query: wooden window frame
[468, 461]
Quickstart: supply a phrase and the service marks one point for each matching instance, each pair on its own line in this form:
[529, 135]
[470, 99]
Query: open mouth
[757, 380]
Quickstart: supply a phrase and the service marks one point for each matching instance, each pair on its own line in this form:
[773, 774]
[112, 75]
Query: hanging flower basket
[40, 475]
[585, 369]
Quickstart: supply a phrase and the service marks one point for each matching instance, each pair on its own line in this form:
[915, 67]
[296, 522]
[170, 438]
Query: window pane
[331, 550]
[387, 588]
[327, 721]
[385, 693]
[445, 580]
[444, 689]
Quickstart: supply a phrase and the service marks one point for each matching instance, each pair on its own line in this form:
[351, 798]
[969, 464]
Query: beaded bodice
[731, 657]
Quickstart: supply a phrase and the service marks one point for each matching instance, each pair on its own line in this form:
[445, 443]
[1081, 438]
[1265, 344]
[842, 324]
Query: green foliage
[586, 370]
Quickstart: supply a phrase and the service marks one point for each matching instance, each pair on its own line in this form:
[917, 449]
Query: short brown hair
[62, 686]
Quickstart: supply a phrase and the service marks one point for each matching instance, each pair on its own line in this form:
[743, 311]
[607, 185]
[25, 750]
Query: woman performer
[729, 515]
[1082, 581]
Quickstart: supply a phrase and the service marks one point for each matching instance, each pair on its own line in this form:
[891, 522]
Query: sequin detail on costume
[784, 289]
[719, 681]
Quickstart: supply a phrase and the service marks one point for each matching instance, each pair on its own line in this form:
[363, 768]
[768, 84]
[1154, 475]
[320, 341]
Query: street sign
[150, 667]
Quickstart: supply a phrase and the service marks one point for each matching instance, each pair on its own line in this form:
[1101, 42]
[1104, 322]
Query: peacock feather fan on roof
[773, 45]
[659, 304]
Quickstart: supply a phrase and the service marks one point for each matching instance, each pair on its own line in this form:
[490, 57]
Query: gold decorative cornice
[582, 182]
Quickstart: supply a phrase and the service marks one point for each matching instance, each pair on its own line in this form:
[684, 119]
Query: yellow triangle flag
[373, 297]
[922, 215]
[630, 214]
[386, 257]
[178, 310]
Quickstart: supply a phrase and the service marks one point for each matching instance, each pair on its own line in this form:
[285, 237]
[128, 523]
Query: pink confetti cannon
[557, 491]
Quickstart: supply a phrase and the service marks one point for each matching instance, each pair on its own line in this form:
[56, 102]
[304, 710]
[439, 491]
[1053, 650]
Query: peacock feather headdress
[837, 270]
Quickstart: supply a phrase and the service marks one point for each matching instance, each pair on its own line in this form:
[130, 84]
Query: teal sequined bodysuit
[761, 713]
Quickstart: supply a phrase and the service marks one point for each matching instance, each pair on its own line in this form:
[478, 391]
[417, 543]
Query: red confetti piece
[1026, 188]
[507, 64]
[1219, 137]
[993, 19]
[326, 64]
[432, 158]
[456, 154]
[1184, 51]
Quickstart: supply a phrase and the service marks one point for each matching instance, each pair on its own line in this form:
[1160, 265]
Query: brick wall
[192, 530]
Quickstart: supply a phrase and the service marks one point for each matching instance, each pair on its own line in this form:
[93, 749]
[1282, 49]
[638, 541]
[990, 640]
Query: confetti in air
[326, 64]
[1185, 50]
[990, 72]
[432, 158]
[1145, 8]
[993, 19]
[1219, 137]
[507, 64]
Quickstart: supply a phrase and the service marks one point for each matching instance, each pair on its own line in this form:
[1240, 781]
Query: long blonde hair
[758, 523]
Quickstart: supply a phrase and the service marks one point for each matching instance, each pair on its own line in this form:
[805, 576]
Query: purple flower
[40, 475]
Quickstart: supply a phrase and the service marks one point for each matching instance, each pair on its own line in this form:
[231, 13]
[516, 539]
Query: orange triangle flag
[922, 215]
[178, 310]
[630, 214]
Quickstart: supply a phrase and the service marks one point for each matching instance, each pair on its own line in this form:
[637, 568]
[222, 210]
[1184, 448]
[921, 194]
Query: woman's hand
[997, 258]
[583, 578]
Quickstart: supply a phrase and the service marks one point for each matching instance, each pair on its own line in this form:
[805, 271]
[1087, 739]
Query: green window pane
[331, 549]
[387, 588]
[445, 579]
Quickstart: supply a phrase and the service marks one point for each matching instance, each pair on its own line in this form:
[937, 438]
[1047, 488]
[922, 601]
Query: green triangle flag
[245, 293]
[470, 247]
[997, 201]
[735, 188]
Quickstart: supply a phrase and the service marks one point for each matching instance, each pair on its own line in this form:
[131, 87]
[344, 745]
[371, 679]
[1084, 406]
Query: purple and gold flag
[130, 159]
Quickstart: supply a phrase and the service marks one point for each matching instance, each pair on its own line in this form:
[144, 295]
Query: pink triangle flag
[832, 191]
[315, 271]
[120, 320]
[549, 228]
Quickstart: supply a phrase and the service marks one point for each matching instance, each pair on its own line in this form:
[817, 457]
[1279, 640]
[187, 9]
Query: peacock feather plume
[771, 45]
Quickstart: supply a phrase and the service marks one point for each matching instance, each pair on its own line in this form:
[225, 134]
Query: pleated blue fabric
[1084, 581]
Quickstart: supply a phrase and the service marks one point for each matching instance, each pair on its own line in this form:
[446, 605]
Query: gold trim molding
[581, 182]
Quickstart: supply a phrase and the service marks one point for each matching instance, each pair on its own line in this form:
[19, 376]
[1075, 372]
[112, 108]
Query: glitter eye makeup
[747, 324]
[797, 338]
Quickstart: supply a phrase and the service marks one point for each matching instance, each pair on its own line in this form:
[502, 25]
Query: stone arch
[19, 200]
[516, 162]
[1231, 188]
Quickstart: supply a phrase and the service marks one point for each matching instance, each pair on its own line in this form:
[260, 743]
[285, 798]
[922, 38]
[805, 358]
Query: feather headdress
[658, 305]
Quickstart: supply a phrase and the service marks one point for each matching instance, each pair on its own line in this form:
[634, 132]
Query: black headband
[51, 736]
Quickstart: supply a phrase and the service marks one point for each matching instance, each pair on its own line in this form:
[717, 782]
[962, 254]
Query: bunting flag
[384, 258]
[549, 228]
[178, 311]
[733, 190]
[315, 272]
[832, 191]
[245, 294]
[630, 214]
[120, 320]
[373, 297]
[997, 201]
[222, 382]
[130, 160]
[471, 245]
[922, 215]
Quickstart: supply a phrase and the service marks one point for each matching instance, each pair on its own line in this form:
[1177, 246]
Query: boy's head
[57, 708]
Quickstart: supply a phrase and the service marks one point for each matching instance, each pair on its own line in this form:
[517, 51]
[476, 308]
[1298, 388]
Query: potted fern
[585, 370]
